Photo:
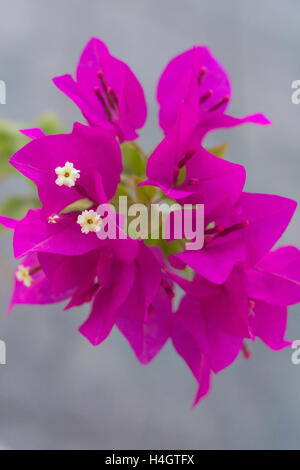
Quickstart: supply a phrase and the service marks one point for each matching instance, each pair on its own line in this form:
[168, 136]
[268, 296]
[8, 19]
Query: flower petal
[146, 333]
[106, 304]
[94, 152]
[35, 234]
[269, 323]
[276, 278]
[128, 94]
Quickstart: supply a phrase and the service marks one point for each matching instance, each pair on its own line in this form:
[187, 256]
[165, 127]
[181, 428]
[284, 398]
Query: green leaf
[81, 205]
[11, 140]
[134, 159]
[145, 194]
[219, 150]
[17, 207]
[168, 247]
[50, 123]
[121, 191]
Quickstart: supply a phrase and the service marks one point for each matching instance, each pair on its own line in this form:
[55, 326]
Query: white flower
[67, 175]
[53, 219]
[23, 275]
[89, 221]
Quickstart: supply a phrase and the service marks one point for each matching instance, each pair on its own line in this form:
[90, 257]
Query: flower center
[23, 275]
[53, 219]
[67, 175]
[89, 221]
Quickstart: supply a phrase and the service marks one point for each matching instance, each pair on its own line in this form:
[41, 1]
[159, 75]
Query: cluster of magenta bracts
[240, 290]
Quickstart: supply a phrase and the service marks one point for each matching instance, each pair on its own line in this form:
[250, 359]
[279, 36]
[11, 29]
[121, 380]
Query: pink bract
[106, 91]
[231, 291]
[196, 78]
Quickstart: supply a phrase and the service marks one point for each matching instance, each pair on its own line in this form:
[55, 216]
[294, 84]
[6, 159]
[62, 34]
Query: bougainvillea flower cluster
[211, 303]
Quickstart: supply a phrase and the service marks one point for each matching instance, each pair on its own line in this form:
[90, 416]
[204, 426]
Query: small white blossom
[53, 219]
[67, 175]
[23, 275]
[89, 221]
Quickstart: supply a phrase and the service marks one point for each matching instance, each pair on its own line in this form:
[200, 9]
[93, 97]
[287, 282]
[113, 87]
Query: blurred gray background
[56, 391]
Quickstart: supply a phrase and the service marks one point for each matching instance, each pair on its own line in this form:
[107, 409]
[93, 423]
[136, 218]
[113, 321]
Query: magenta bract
[106, 91]
[233, 289]
[196, 78]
